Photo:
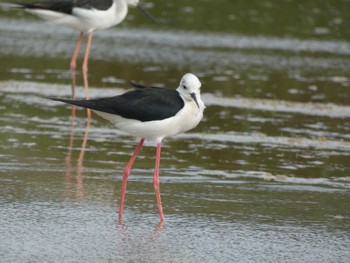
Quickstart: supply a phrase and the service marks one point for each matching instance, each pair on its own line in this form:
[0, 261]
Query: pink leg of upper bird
[85, 65]
[85, 70]
[73, 63]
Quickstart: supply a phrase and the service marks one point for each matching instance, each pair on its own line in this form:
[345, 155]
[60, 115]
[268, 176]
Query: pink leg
[125, 177]
[85, 65]
[156, 182]
[73, 63]
[85, 71]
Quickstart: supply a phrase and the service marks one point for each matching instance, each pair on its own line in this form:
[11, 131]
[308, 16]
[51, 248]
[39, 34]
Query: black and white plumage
[85, 16]
[150, 113]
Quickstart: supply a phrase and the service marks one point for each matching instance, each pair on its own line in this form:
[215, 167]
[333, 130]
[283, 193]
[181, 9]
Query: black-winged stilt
[151, 113]
[84, 16]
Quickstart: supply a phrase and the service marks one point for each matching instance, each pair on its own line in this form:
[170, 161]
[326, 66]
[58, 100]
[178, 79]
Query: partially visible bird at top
[85, 16]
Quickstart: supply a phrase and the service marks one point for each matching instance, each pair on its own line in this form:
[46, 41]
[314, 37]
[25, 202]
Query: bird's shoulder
[94, 4]
[156, 95]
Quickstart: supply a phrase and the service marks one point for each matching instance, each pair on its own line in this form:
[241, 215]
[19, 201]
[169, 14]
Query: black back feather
[147, 104]
[66, 6]
[141, 86]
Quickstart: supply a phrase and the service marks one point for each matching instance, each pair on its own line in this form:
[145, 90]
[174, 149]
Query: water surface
[263, 178]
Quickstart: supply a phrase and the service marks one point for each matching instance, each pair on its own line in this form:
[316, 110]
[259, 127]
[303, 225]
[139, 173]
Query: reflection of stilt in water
[68, 160]
[80, 167]
[153, 243]
[157, 231]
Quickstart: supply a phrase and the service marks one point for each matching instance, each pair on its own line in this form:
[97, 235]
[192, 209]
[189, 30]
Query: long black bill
[193, 95]
[144, 10]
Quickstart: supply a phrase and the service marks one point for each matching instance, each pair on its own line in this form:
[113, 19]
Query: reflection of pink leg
[83, 146]
[125, 177]
[156, 182]
[73, 63]
[85, 65]
[68, 160]
[80, 167]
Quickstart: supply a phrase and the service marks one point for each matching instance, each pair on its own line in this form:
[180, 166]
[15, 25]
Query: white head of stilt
[189, 89]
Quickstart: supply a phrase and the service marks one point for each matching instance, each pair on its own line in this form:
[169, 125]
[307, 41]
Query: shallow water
[265, 177]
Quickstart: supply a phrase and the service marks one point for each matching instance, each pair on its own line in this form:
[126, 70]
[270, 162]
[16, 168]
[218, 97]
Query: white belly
[85, 20]
[186, 119]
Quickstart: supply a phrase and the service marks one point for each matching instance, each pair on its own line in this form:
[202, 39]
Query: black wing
[66, 6]
[148, 104]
